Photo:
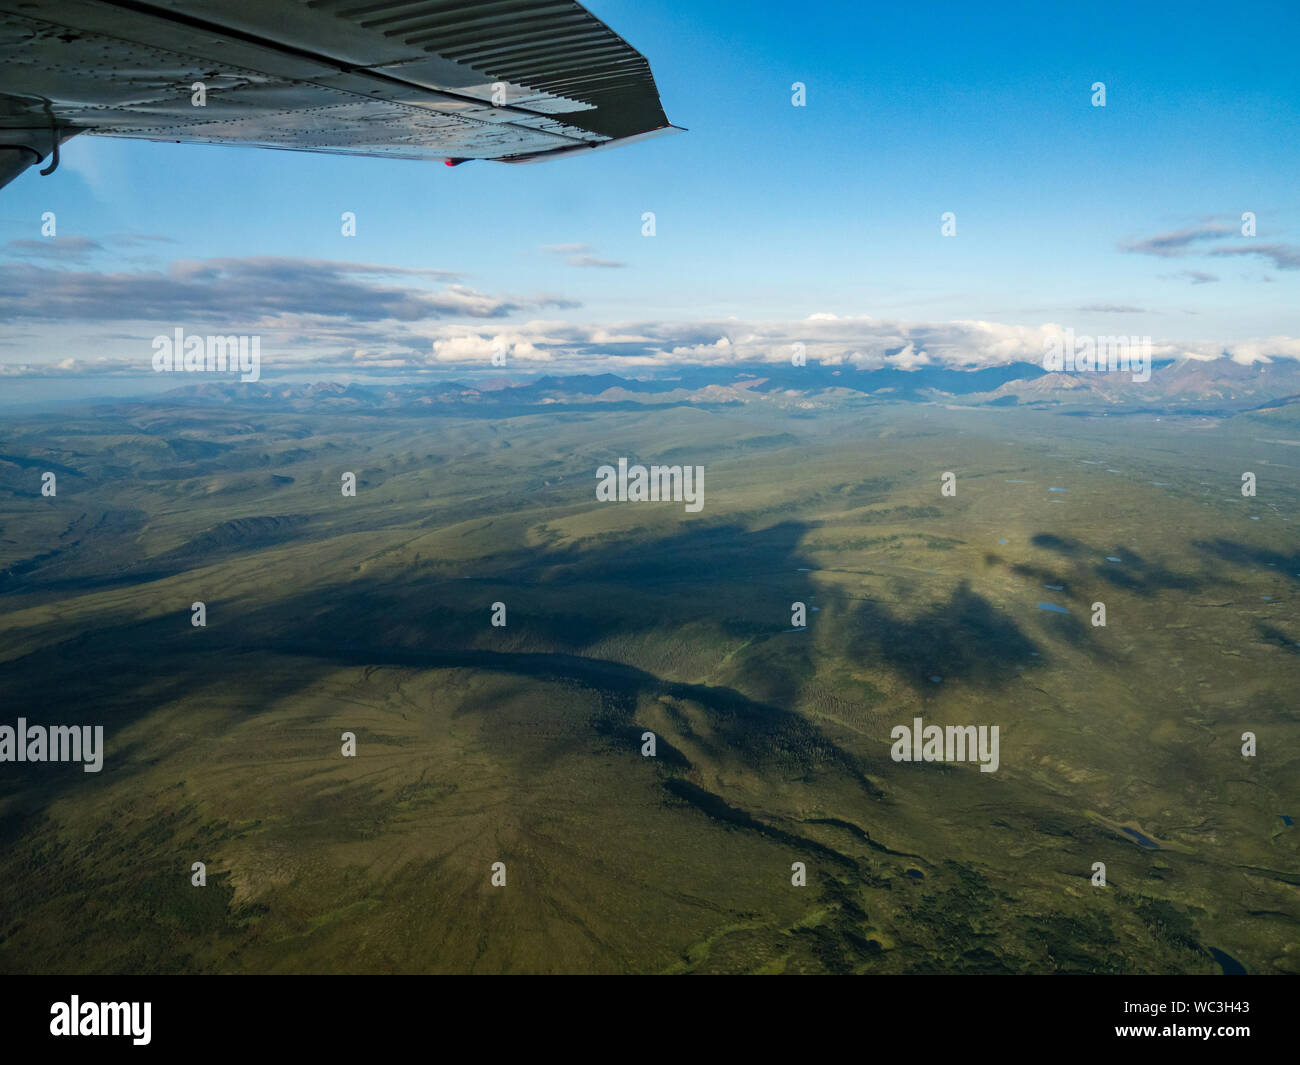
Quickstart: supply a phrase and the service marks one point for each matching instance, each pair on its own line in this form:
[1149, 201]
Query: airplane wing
[508, 80]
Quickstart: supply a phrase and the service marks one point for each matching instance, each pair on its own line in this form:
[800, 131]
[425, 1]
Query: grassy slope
[479, 744]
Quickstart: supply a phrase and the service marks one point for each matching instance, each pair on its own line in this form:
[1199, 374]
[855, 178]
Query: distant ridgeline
[1190, 386]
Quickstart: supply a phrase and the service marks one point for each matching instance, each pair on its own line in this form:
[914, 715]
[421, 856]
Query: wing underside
[509, 80]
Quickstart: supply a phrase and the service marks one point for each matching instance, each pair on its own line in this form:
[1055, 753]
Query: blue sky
[767, 213]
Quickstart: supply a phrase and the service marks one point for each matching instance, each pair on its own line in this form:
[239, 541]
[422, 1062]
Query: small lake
[1143, 841]
[1230, 965]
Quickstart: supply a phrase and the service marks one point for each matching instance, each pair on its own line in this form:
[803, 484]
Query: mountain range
[1189, 386]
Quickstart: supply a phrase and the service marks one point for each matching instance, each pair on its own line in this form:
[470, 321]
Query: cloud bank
[326, 313]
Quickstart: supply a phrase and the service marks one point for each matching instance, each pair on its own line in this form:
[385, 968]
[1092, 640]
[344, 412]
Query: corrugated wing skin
[509, 80]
